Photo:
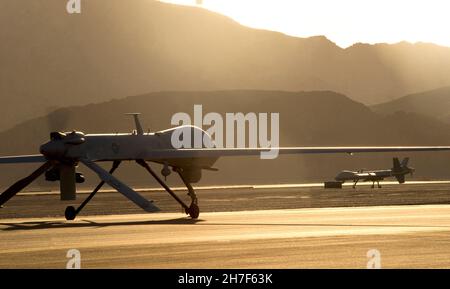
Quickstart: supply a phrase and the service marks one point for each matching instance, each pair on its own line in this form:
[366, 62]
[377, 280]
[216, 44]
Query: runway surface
[235, 198]
[410, 236]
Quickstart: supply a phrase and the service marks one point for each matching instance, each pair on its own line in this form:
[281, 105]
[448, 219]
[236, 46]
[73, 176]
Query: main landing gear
[378, 183]
[373, 184]
[71, 213]
[193, 210]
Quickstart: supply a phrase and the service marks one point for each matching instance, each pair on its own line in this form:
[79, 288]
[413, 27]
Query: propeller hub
[60, 143]
[54, 149]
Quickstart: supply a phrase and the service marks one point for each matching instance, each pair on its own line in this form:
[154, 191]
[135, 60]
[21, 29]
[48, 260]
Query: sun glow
[345, 22]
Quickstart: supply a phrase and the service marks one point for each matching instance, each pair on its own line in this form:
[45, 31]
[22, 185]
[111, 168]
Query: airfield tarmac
[272, 227]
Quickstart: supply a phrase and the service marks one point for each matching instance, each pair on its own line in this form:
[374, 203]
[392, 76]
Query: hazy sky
[343, 21]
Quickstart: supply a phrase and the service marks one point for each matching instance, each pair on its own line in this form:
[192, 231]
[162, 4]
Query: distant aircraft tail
[397, 167]
[399, 170]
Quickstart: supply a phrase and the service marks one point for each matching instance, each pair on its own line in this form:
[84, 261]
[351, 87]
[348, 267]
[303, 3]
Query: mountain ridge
[317, 118]
[53, 59]
[432, 103]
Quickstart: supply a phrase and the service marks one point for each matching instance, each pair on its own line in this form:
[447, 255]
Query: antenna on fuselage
[139, 130]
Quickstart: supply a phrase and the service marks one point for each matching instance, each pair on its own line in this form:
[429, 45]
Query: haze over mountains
[318, 118]
[117, 48]
[434, 103]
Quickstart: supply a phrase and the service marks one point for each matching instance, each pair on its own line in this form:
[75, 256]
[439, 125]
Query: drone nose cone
[52, 149]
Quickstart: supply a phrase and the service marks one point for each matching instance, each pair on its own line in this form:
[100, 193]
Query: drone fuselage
[119, 146]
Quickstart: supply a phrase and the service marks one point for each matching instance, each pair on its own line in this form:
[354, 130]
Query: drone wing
[23, 159]
[229, 152]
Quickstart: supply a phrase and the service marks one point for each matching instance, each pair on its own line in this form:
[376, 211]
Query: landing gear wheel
[194, 211]
[70, 213]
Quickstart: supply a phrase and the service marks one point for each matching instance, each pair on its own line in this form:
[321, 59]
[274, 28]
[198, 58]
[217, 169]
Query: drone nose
[53, 149]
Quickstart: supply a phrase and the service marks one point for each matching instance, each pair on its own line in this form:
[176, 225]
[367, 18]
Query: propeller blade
[21, 184]
[121, 187]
